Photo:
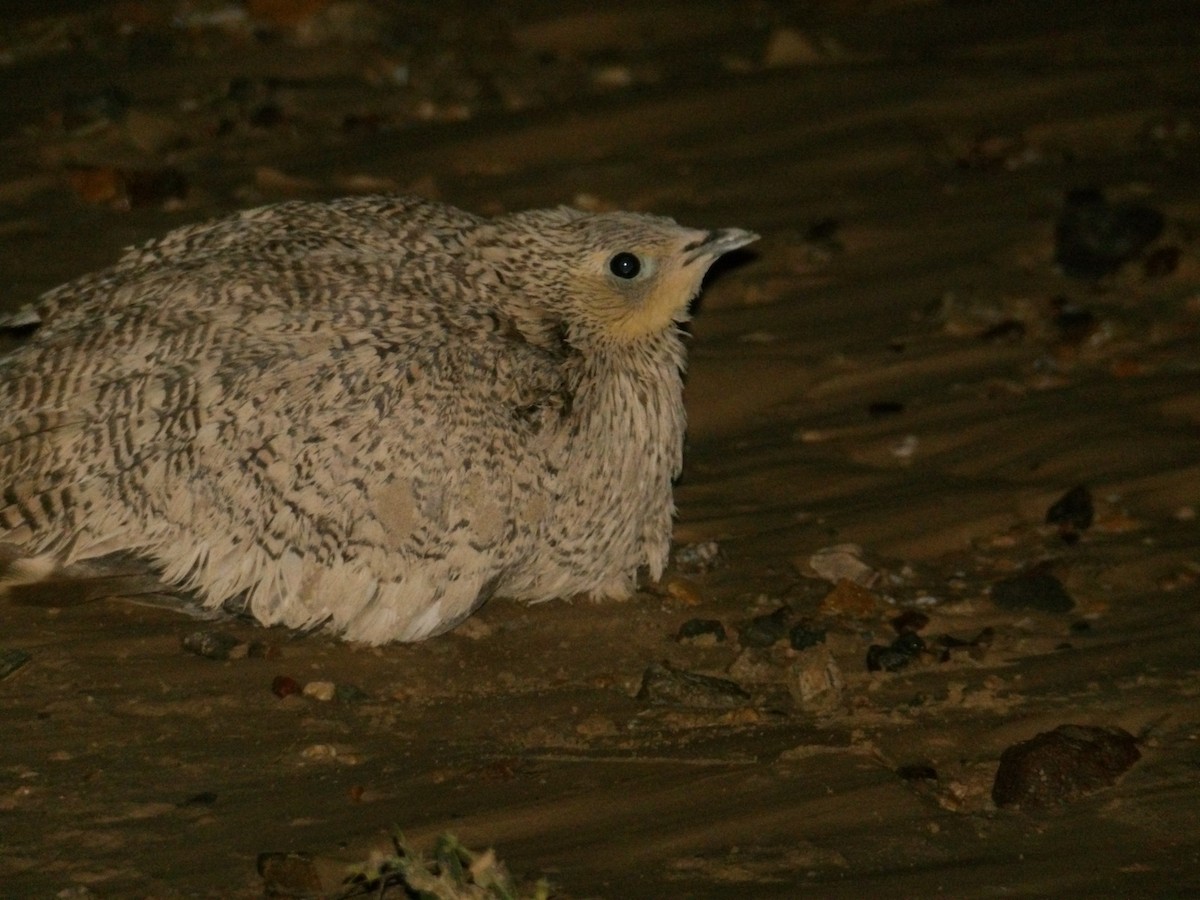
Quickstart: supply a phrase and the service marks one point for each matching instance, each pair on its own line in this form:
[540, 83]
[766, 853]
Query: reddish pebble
[284, 686]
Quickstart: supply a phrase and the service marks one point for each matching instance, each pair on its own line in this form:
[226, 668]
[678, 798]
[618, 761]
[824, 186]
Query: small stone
[918, 772]
[664, 685]
[880, 408]
[1161, 262]
[886, 659]
[910, 620]
[814, 679]
[754, 665]
[350, 693]
[804, 635]
[290, 875]
[1073, 510]
[320, 690]
[788, 47]
[850, 599]
[212, 644]
[842, 562]
[1094, 238]
[1039, 591]
[204, 798]
[909, 642]
[683, 592]
[699, 557]
[1058, 766]
[703, 632]
[261, 650]
[765, 630]
[284, 686]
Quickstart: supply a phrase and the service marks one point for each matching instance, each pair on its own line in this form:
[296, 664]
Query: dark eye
[625, 265]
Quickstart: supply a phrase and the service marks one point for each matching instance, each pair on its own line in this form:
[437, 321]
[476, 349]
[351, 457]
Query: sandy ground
[899, 365]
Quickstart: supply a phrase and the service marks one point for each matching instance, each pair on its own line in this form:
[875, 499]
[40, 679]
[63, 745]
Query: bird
[367, 415]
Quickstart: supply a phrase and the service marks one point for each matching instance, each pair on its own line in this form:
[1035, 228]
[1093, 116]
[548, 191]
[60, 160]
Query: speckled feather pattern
[370, 414]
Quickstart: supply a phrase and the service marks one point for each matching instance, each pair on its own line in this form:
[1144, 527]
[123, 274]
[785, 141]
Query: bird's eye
[625, 265]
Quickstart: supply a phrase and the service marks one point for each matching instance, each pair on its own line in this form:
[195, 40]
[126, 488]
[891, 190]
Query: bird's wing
[281, 419]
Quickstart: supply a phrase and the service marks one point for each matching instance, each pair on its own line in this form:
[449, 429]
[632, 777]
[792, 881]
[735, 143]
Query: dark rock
[881, 408]
[917, 772]
[284, 686]
[763, 631]
[290, 875]
[1094, 238]
[700, 628]
[349, 693]
[910, 620]
[1162, 262]
[886, 659]
[1058, 766]
[1073, 509]
[1009, 330]
[211, 644]
[664, 685]
[822, 231]
[1075, 324]
[804, 635]
[1033, 590]
[204, 798]
[907, 646]
[909, 642]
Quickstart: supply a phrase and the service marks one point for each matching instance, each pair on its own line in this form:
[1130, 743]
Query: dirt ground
[913, 360]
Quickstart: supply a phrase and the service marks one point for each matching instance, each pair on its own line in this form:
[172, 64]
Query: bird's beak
[716, 243]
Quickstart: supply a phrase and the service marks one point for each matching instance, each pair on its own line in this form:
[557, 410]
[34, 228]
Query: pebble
[1058, 766]
[699, 557]
[1039, 591]
[814, 679]
[204, 798]
[703, 632]
[804, 635]
[664, 685]
[842, 562]
[284, 686]
[320, 690]
[217, 645]
[1073, 511]
[1094, 238]
[848, 598]
[291, 875]
[880, 408]
[1161, 262]
[754, 665]
[910, 620]
[917, 772]
[976, 648]
[765, 630]
[350, 693]
[890, 658]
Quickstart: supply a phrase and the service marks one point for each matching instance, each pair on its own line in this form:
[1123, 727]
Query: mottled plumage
[372, 414]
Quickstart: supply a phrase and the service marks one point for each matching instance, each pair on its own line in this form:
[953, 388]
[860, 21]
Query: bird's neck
[630, 420]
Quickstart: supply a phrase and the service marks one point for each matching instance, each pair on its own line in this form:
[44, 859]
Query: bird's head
[613, 278]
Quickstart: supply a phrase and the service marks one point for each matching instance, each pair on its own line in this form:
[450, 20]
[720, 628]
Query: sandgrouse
[370, 414]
